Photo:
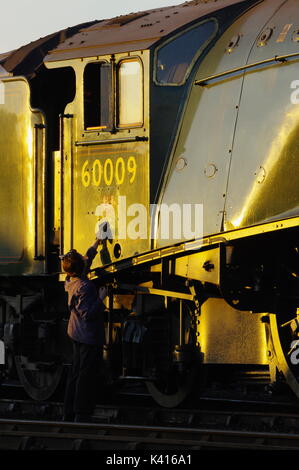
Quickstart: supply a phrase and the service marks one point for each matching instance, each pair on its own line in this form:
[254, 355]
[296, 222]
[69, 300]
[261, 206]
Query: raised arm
[90, 255]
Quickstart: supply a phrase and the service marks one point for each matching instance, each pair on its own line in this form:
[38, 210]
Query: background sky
[23, 21]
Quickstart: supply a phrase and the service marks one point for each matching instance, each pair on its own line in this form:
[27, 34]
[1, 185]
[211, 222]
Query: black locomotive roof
[121, 34]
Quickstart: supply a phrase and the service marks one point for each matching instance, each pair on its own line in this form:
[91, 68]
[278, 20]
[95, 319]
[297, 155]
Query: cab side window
[175, 58]
[97, 96]
[130, 94]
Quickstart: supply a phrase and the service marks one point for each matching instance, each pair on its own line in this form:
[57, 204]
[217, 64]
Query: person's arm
[90, 255]
[96, 244]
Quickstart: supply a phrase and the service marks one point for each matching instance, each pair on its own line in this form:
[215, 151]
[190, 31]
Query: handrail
[61, 120]
[85, 143]
[37, 257]
[282, 59]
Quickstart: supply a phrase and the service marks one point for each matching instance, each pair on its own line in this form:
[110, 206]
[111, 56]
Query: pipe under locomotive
[189, 105]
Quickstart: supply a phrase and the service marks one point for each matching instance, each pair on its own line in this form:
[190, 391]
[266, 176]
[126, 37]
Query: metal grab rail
[281, 59]
[61, 121]
[86, 143]
[37, 257]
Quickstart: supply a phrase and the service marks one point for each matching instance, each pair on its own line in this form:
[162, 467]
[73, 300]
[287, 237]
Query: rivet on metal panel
[261, 175]
[210, 170]
[264, 37]
[233, 43]
[295, 36]
[181, 164]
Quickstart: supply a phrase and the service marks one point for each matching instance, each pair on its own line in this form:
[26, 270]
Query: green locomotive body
[126, 121]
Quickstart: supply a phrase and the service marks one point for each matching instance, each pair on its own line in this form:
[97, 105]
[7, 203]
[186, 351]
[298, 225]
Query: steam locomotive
[120, 123]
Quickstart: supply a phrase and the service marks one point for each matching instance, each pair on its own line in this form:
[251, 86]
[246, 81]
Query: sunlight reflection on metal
[271, 161]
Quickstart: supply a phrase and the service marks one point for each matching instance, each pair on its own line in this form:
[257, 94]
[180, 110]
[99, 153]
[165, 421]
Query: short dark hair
[73, 263]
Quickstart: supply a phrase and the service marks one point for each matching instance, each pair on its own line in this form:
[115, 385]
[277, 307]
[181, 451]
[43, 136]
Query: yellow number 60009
[109, 171]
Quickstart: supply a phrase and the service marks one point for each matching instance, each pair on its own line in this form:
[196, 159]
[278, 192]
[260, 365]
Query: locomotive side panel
[106, 157]
[196, 301]
[22, 248]
[214, 107]
[267, 131]
[228, 336]
[112, 186]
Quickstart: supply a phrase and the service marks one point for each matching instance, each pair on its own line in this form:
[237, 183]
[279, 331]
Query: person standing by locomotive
[86, 330]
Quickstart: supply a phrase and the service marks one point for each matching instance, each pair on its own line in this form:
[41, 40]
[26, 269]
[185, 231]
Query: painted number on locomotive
[108, 172]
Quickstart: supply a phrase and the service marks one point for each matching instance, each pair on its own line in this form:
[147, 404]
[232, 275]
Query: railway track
[57, 435]
[26, 425]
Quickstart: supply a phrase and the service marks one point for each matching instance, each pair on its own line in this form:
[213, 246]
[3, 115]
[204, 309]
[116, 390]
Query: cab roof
[135, 31]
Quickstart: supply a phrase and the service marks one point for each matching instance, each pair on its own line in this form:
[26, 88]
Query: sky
[23, 21]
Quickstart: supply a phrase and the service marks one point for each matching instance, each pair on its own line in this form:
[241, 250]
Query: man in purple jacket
[86, 330]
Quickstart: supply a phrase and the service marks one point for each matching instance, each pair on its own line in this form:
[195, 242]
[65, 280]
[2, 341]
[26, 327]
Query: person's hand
[103, 292]
[96, 244]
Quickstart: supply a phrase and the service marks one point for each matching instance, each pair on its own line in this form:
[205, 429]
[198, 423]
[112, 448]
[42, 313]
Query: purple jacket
[86, 323]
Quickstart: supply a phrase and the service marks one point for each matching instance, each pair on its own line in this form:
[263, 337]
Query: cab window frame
[134, 125]
[195, 57]
[111, 112]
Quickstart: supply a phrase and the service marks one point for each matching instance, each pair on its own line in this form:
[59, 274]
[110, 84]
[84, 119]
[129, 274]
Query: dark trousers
[81, 389]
